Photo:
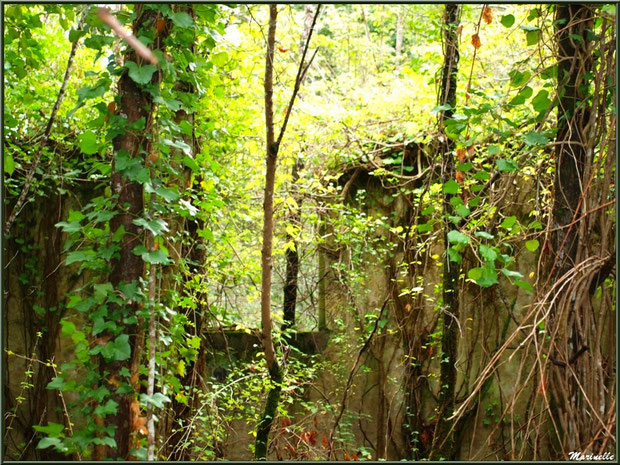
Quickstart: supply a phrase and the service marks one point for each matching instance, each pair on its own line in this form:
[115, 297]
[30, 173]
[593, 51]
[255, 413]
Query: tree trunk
[273, 398]
[574, 65]
[135, 103]
[443, 439]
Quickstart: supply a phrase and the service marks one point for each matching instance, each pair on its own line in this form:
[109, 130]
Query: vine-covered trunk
[443, 438]
[134, 103]
[574, 67]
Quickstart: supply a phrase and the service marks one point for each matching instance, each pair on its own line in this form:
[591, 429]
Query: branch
[301, 73]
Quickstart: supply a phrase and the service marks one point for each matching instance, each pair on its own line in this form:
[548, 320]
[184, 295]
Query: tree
[443, 438]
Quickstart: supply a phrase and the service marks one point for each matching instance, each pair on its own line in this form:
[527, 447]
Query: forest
[309, 232]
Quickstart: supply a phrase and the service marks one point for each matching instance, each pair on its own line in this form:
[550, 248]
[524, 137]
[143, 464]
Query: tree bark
[273, 398]
[443, 438]
[574, 65]
[134, 102]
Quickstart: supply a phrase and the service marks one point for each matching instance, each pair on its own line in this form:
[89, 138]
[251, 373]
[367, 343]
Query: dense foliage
[437, 232]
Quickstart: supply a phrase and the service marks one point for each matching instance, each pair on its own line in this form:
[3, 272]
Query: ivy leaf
[484, 235]
[182, 20]
[57, 383]
[511, 274]
[457, 237]
[532, 37]
[507, 20]
[485, 276]
[88, 143]
[454, 255]
[158, 399]
[80, 256]
[52, 429]
[541, 101]
[462, 210]
[109, 408]
[522, 96]
[524, 285]
[488, 253]
[141, 74]
[451, 187]
[532, 245]
[157, 257]
[439, 108]
[506, 165]
[72, 227]
[508, 222]
[534, 138]
[156, 227]
[47, 442]
[117, 350]
[9, 163]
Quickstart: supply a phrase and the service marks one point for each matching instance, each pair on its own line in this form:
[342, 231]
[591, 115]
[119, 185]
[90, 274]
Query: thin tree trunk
[273, 145]
[273, 398]
[443, 438]
[292, 253]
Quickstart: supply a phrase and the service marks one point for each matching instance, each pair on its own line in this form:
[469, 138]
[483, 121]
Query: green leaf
[532, 245]
[484, 235]
[541, 101]
[157, 399]
[511, 274]
[524, 285]
[425, 227]
[141, 74]
[488, 253]
[507, 20]
[467, 166]
[88, 143]
[156, 227]
[47, 442]
[428, 210]
[508, 222]
[9, 163]
[157, 257]
[57, 383]
[454, 255]
[75, 34]
[494, 150]
[69, 228]
[182, 20]
[52, 429]
[485, 276]
[522, 96]
[168, 194]
[117, 350]
[518, 78]
[80, 256]
[462, 210]
[532, 37]
[534, 138]
[219, 59]
[451, 187]
[440, 108]
[191, 164]
[506, 165]
[457, 237]
[109, 408]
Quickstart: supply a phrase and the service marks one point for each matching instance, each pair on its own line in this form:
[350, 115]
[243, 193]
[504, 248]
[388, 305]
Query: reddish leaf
[487, 14]
[475, 41]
